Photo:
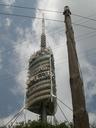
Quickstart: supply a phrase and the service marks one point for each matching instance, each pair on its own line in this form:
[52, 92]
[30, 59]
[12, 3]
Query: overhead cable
[30, 17]
[84, 17]
[85, 26]
[39, 18]
[45, 10]
[30, 8]
[15, 119]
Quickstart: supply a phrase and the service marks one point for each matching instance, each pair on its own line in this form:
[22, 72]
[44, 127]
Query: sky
[20, 38]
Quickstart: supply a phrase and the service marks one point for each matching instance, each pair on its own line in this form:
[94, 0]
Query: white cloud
[92, 118]
[25, 115]
[20, 31]
[8, 22]
[89, 79]
[1, 122]
[9, 2]
[23, 49]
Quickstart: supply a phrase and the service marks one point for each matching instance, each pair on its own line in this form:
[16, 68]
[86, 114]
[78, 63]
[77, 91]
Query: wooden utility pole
[80, 116]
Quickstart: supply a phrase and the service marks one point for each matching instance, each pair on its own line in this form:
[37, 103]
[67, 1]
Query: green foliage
[35, 124]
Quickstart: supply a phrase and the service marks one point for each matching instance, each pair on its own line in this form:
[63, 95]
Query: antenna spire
[43, 36]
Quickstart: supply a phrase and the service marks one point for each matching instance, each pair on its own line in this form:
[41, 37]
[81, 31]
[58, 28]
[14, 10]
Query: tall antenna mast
[43, 24]
[43, 36]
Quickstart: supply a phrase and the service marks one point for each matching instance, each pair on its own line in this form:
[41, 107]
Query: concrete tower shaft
[80, 115]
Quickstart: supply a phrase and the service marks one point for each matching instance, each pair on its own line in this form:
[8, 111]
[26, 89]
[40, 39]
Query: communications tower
[41, 83]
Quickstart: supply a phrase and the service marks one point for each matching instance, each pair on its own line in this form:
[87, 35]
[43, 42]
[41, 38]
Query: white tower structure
[41, 81]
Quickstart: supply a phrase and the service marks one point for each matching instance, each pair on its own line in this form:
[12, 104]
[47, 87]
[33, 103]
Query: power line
[84, 26]
[31, 8]
[85, 34]
[39, 18]
[90, 36]
[84, 17]
[30, 17]
[80, 21]
[45, 10]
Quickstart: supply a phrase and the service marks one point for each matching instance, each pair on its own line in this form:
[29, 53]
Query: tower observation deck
[41, 81]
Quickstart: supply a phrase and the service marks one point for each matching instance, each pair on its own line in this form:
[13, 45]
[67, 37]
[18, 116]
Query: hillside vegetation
[35, 124]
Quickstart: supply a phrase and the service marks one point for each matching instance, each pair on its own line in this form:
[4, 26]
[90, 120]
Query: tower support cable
[63, 103]
[14, 116]
[63, 113]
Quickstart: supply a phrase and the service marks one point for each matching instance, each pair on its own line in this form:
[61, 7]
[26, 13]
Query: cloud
[23, 49]
[9, 2]
[20, 31]
[8, 22]
[92, 118]
[89, 79]
[25, 115]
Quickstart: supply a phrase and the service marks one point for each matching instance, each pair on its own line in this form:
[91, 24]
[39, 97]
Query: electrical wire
[16, 6]
[39, 18]
[45, 10]
[84, 17]
[85, 26]
[88, 37]
[80, 21]
[31, 8]
[30, 17]
[84, 34]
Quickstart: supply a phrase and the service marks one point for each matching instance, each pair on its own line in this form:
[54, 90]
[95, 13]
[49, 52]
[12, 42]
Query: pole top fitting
[66, 11]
